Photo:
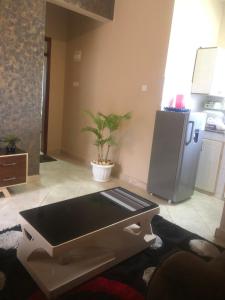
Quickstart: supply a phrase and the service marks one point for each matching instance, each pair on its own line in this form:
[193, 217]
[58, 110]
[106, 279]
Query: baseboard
[204, 192]
[134, 181]
[75, 158]
[54, 152]
[220, 234]
[33, 178]
[131, 180]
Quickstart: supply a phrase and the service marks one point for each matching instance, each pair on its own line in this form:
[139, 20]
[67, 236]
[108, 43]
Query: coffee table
[67, 243]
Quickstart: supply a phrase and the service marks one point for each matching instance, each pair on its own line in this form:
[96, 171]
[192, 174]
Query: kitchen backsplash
[218, 104]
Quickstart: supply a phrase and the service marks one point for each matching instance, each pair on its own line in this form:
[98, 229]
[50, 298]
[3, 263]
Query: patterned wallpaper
[22, 27]
[104, 8]
[21, 63]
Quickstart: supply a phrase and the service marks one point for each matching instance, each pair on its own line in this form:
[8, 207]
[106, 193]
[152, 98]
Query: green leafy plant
[105, 126]
[11, 140]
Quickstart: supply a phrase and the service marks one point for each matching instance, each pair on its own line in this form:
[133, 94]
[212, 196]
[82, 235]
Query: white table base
[60, 268]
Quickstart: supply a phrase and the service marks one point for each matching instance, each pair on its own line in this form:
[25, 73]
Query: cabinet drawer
[12, 170]
[7, 181]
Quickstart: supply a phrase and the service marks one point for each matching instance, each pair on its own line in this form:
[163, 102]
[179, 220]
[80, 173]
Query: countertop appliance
[175, 153]
[215, 121]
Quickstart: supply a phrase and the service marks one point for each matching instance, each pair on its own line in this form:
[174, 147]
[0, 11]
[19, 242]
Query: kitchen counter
[220, 137]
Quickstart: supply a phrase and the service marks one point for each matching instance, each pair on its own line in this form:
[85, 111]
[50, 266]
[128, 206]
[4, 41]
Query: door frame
[47, 92]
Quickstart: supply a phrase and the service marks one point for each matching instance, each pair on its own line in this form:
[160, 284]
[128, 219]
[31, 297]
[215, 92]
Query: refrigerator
[175, 154]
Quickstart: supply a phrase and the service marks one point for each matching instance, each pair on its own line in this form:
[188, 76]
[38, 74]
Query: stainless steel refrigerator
[175, 153]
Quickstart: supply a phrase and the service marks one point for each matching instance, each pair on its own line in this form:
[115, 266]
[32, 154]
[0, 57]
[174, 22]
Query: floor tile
[65, 179]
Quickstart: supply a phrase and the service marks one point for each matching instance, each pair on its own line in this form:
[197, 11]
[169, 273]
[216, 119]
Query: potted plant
[11, 141]
[104, 128]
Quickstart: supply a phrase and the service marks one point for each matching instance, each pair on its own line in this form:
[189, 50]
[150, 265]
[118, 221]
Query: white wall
[195, 24]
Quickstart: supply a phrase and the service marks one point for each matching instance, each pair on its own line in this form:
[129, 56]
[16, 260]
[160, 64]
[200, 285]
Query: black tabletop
[66, 220]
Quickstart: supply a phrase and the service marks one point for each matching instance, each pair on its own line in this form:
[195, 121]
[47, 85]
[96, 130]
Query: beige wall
[117, 58]
[196, 23]
[56, 28]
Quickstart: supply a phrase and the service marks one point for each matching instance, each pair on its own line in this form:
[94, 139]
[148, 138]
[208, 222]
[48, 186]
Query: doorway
[45, 96]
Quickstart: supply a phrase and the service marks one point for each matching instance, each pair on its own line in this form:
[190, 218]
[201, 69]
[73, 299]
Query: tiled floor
[65, 179]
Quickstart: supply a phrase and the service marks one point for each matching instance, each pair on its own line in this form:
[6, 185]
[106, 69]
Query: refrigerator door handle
[192, 129]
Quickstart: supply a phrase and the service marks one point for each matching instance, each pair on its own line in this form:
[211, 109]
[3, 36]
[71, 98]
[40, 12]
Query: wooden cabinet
[209, 72]
[208, 166]
[13, 169]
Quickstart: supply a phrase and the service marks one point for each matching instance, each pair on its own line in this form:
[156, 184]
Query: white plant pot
[101, 173]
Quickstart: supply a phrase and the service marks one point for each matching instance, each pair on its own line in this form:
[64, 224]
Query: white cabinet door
[218, 82]
[208, 165]
[209, 72]
[204, 70]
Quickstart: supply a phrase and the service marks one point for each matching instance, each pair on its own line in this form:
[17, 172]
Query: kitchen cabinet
[209, 72]
[220, 187]
[208, 166]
